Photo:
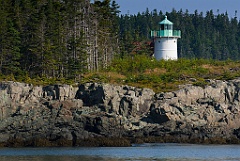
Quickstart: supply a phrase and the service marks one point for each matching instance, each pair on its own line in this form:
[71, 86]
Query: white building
[165, 41]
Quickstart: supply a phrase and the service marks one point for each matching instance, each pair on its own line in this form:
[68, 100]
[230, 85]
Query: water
[142, 152]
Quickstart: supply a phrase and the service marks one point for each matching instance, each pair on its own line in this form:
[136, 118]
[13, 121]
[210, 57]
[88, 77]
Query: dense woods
[204, 35]
[63, 39]
[56, 38]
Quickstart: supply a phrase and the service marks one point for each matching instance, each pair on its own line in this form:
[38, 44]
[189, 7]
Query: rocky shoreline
[96, 114]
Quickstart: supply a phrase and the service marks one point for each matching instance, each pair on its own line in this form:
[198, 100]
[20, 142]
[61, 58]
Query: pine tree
[3, 30]
[10, 40]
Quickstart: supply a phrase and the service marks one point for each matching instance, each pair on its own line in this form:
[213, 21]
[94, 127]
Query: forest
[204, 35]
[56, 38]
[60, 39]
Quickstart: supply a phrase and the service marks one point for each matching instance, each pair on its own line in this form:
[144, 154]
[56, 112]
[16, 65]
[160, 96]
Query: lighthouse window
[166, 27]
[162, 27]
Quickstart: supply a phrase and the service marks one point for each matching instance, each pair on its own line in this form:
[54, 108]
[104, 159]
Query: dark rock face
[63, 115]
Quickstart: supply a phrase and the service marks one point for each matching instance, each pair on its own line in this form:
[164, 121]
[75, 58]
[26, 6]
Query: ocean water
[140, 152]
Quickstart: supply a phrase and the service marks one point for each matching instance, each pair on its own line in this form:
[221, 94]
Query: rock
[66, 115]
[91, 94]
[4, 137]
[159, 115]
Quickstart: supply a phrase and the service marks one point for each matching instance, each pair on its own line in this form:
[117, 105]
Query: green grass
[142, 71]
[162, 76]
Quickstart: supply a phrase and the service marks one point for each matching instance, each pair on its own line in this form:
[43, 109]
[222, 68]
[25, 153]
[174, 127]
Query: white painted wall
[165, 48]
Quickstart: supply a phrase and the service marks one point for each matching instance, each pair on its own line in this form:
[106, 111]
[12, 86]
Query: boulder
[56, 113]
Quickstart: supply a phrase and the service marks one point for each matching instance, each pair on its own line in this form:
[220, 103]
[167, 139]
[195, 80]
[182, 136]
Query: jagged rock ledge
[96, 114]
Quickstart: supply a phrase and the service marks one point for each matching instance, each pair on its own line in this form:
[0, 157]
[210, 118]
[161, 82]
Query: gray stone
[98, 109]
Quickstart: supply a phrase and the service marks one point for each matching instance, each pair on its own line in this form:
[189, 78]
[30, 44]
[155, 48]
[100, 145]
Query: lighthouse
[165, 41]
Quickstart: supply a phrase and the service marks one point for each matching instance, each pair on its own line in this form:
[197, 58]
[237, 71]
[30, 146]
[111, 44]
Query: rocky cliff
[97, 114]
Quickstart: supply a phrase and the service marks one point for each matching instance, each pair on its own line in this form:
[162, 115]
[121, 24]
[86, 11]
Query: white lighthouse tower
[165, 41]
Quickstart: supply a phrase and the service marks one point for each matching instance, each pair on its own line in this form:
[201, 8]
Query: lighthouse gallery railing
[166, 33]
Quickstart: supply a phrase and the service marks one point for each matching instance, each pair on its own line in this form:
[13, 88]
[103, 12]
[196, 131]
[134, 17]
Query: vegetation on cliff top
[142, 71]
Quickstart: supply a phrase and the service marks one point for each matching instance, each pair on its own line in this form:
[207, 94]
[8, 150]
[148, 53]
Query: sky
[135, 6]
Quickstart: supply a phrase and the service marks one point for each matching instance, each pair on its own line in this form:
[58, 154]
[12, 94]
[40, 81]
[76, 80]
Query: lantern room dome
[165, 22]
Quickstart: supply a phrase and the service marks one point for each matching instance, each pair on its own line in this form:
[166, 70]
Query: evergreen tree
[4, 14]
[210, 36]
[10, 40]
